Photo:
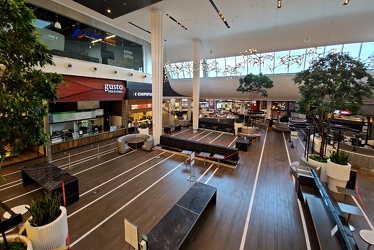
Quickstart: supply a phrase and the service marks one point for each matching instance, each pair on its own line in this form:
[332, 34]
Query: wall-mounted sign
[79, 88]
[138, 90]
[97, 38]
[113, 88]
[141, 106]
[137, 93]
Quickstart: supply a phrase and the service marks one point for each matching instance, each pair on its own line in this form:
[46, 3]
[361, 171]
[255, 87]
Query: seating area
[172, 128]
[231, 155]
[281, 127]
[50, 178]
[221, 124]
[171, 231]
[123, 142]
[359, 157]
[183, 123]
[249, 132]
[325, 212]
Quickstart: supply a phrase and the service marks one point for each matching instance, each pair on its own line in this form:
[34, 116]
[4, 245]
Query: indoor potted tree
[255, 86]
[25, 89]
[47, 227]
[336, 81]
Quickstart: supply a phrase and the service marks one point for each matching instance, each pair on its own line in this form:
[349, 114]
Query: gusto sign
[113, 88]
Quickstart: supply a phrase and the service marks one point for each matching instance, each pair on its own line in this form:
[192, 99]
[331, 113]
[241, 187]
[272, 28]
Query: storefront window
[84, 42]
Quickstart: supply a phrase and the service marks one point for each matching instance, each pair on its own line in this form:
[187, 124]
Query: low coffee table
[135, 141]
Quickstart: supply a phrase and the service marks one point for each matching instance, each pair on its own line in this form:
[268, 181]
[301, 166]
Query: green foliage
[255, 85]
[333, 82]
[13, 245]
[238, 120]
[284, 118]
[143, 125]
[45, 209]
[317, 158]
[25, 90]
[339, 157]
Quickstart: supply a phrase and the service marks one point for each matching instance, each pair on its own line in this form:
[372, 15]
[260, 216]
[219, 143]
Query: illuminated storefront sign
[141, 106]
[78, 33]
[113, 88]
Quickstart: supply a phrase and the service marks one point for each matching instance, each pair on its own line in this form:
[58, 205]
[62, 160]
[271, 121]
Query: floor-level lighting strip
[183, 131]
[206, 171]
[197, 135]
[117, 187]
[19, 196]
[215, 138]
[210, 177]
[121, 208]
[83, 160]
[92, 149]
[232, 142]
[298, 202]
[117, 176]
[363, 211]
[18, 182]
[204, 136]
[245, 231]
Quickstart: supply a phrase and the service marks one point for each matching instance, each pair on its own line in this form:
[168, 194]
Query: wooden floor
[256, 204]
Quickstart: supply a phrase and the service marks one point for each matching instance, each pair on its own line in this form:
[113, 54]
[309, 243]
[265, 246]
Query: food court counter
[86, 140]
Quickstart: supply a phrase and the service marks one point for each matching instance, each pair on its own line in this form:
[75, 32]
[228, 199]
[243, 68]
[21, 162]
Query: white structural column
[268, 109]
[172, 105]
[241, 107]
[157, 49]
[196, 85]
[189, 109]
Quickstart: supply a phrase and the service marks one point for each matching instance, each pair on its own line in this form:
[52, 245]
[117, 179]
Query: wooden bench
[50, 178]
[171, 231]
[325, 213]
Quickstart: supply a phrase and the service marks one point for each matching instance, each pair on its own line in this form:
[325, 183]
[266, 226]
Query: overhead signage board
[138, 91]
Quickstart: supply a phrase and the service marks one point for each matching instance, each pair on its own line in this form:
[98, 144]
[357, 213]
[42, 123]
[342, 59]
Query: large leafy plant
[339, 157]
[336, 81]
[25, 90]
[45, 209]
[255, 85]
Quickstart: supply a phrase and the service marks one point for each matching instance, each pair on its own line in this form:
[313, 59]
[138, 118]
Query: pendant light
[57, 24]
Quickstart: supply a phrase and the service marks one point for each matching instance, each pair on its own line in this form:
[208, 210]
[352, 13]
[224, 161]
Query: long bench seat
[171, 231]
[325, 213]
[179, 144]
[50, 178]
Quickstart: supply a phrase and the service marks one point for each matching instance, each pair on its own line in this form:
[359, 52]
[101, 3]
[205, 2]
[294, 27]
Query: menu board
[73, 116]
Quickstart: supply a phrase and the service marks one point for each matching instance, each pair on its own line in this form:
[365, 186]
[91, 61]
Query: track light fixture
[130, 74]
[346, 2]
[172, 18]
[279, 4]
[144, 76]
[219, 13]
